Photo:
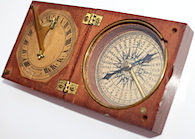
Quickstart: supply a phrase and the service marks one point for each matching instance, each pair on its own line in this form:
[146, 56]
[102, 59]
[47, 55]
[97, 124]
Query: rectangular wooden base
[177, 35]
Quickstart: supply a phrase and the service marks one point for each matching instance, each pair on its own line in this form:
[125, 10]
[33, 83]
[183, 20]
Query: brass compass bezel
[152, 29]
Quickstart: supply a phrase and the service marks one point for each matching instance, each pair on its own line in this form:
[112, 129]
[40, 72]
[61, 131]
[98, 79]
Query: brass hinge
[67, 87]
[92, 19]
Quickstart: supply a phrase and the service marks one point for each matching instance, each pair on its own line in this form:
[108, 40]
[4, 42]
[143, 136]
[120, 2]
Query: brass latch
[92, 19]
[67, 87]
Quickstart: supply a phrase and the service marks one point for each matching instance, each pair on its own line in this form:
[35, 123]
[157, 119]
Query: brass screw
[60, 86]
[86, 18]
[72, 88]
[143, 110]
[97, 21]
[6, 72]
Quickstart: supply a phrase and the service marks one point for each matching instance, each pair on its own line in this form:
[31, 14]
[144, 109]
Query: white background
[28, 114]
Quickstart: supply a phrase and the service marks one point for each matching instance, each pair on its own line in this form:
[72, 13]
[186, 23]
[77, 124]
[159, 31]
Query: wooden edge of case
[173, 83]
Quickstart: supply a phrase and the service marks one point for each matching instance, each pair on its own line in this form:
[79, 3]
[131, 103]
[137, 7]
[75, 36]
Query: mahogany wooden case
[149, 114]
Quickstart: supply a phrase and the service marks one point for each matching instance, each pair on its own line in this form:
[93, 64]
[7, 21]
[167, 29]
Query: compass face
[125, 65]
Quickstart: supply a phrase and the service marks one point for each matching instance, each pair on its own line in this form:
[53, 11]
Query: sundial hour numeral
[47, 70]
[24, 51]
[62, 21]
[60, 60]
[26, 63]
[68, 41]
[53, 67]
[65, 51]
[65, 26]
[42, 21]
[48, 18]
[30, 33]
[69, 32]
[25, 42]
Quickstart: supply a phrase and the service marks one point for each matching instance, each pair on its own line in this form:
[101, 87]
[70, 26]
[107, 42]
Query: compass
[125, 69]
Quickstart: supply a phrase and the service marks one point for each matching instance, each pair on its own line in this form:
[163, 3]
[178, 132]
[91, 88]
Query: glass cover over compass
[125, 64]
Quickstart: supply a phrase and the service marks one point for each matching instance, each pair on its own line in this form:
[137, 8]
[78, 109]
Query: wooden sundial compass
[120, 65]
